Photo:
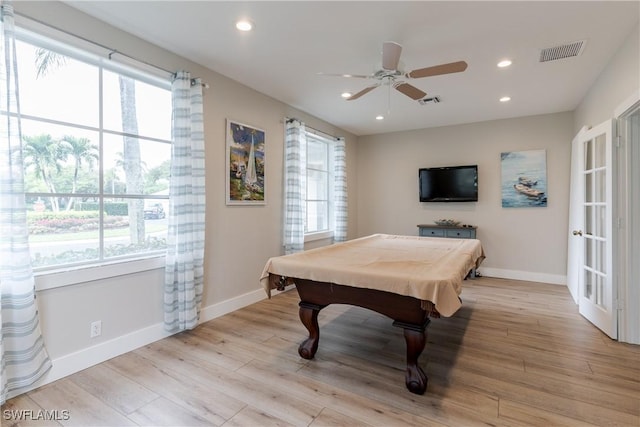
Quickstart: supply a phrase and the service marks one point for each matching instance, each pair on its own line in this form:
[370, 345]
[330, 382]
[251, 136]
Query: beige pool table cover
[428, 268]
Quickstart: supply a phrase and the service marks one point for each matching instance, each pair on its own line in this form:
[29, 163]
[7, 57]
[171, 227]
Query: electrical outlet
[96, 329]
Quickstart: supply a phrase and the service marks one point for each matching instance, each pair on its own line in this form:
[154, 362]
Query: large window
[97, 150]
[318, 188]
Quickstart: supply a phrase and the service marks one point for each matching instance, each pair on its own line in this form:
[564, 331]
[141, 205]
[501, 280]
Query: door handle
[577, 232]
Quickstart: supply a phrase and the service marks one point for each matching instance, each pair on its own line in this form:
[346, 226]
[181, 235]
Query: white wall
[617, 82]
[239, 239]
[526, 243]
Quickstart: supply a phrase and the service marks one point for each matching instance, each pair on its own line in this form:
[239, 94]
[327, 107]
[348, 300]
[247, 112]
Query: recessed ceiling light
[346, 94]
[505, 99]
[504, 63]
[244, 25]
[379, 117]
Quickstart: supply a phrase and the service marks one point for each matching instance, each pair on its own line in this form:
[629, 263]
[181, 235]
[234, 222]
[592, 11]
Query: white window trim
[324, 234]
[321, 235]
[52, 279]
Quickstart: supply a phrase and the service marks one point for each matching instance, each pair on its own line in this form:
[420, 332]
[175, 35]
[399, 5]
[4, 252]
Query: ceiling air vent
[432, 100]
[568, 50]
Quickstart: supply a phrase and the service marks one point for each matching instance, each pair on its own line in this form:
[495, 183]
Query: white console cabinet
[453, 232]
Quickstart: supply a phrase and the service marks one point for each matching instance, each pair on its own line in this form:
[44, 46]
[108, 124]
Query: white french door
[592, 227]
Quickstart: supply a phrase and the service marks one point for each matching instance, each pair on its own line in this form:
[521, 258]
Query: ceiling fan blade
[362, 92]
[436, 70]
[357, 76]
[409, 90]
[391, 55]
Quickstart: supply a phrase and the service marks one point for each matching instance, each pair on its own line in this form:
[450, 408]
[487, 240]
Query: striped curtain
[24, 357]
[184, 272]
[339, 191]
[295, 177]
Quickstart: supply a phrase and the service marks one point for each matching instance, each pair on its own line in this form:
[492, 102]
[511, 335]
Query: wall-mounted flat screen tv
[449, 184]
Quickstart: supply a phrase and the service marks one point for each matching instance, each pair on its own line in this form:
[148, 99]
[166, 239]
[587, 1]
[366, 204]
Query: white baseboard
[75, 362]
[233, 304]
[82, 359]
[554, 279]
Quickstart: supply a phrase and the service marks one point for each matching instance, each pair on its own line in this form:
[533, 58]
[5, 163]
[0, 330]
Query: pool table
[355, 273]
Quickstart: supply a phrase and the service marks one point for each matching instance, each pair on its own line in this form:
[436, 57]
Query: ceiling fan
[392, 74]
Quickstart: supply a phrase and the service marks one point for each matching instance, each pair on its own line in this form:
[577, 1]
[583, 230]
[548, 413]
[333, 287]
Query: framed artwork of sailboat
[245, 164]
[524, 179]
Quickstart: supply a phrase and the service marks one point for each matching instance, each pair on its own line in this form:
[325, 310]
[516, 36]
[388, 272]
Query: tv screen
[449, 184]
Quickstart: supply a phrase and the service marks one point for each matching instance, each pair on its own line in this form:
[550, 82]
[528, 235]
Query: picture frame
[245, 164]
[524, 178]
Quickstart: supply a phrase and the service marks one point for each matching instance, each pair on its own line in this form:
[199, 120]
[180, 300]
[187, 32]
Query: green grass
[87, 235]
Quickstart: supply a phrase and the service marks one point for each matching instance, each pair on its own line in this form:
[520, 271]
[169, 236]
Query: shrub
[70, 222]
[151, 244]
[110, 208]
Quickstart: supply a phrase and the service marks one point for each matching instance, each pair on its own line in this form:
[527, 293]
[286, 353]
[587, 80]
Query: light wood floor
[517, 353]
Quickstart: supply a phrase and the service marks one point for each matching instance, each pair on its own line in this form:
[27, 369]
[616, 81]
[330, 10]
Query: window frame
[329, 142]
[83, 50]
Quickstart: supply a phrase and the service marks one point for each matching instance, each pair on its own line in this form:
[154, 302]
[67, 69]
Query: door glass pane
[588, 155]
[598, 298]
[588, 284]
[588, 219]
[600, 225]
[600, 153]
[601, 256]
[588, 251]
[588, 187]
[600, 177]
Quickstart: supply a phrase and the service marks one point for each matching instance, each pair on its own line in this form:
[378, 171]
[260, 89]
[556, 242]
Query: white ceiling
[294, 41]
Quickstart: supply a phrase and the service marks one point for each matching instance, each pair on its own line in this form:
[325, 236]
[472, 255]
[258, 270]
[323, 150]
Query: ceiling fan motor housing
[387, 74]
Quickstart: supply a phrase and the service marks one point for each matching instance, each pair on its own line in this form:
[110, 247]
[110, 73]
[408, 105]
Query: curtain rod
[312, 130]
[111, 50]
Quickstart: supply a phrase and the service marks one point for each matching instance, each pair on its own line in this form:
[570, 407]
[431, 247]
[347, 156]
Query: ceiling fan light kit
[390, 74]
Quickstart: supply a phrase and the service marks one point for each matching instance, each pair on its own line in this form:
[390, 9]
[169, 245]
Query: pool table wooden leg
[415, 378]
[309, 317]
[416, 338]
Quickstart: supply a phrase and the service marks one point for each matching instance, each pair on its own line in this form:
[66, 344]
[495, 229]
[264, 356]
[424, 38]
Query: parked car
[153, 211]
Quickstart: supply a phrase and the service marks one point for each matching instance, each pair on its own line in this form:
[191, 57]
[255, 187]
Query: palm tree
[132, 160]
[120, 162]
[46, 59]
[46, 155]
[81, 150]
